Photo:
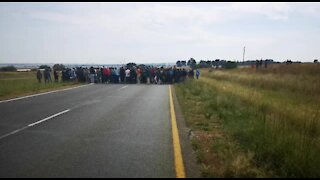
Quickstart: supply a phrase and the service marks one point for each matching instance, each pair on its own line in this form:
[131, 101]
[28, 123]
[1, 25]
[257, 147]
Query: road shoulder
[191, 167]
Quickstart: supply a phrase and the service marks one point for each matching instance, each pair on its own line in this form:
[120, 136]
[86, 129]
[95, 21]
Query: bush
[58, 67]
[131, 64]
[8, 68]
[230, 65]
[44, 67]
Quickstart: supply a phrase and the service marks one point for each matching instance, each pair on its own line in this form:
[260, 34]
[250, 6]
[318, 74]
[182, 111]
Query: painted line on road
[24, 97]
[33, 124]
[50, 117]
[178, 160]
[13, 132]
[123, 87]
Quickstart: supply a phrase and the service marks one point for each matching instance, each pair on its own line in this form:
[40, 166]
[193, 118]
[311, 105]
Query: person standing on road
[133, 75]
[104, 74]
[117, 75]
[92, 74]
[122, 74]
[138, 72]
[127, 72]
[197, 73]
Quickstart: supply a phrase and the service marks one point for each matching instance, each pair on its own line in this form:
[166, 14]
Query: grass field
[255, 123]
[14, 84]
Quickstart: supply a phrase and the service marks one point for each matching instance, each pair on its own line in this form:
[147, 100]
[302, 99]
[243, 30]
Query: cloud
[164, 13]
[135, 29]
[273, 11]
[311, 10]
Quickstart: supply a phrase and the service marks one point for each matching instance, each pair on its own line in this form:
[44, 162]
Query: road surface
[92, 131]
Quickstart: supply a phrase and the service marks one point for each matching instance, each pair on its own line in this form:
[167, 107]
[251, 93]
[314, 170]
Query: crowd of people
[124, 74]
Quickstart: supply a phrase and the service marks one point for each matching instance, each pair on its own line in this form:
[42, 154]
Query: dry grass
[267, 121]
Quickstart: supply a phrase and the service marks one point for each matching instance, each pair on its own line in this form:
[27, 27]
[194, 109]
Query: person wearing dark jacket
[39, 75]
[56, 77]
[122, 74]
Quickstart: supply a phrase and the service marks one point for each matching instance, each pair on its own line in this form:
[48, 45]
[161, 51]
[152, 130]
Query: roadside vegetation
[8, 68]
[14, 84]
[255, 123]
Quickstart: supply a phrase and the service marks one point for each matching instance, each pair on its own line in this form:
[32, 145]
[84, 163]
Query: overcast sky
[157, 32]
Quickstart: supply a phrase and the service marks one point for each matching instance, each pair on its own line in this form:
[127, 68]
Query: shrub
[8, 68]
[44, 67]
[230, 65]
[58, 67]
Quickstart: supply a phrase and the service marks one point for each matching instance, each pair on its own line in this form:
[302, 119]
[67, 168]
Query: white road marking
[50, 117]
[33, 124]
[123, 87]
[14, 99]
[13, 132]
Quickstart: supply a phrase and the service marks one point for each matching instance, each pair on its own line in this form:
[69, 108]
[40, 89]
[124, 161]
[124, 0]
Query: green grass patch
[14, 84]
[245, 130]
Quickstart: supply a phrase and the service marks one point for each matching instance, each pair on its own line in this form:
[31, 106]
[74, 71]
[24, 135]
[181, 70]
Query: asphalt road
[92, 131]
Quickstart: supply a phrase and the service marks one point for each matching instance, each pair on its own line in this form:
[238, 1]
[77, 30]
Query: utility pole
[244, 50]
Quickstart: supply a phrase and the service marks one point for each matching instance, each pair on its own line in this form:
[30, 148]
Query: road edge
[192, 168]
[178, 158]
